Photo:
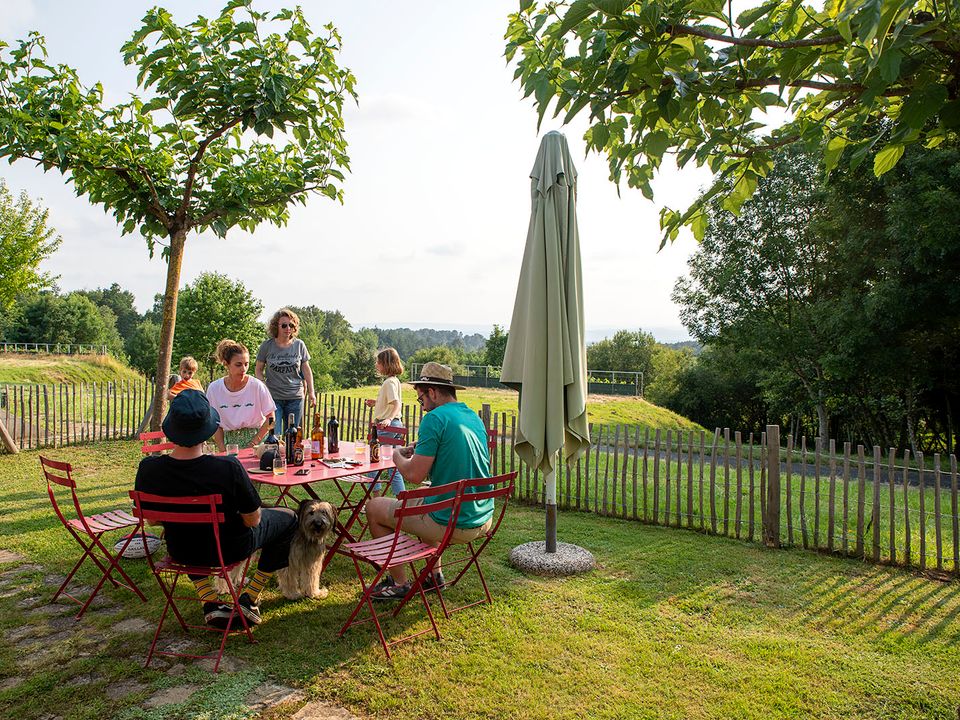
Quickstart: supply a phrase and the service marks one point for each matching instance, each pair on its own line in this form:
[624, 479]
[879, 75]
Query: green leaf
[889, 65]
[579, 11]
[887, 159]
[922, 105]
[749, 17]
[831, 155]
[698, 225]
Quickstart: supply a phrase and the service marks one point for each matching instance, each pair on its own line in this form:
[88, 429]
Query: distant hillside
[407, 341]
[15, 368]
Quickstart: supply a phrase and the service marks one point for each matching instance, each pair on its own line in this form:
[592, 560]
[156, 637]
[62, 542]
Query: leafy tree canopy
[25, 241]
[855, 79]
[212, 308]
[51, 318]
[121, 302]
[627, 350]
[142, 346]
[241, 117]
[495, 348]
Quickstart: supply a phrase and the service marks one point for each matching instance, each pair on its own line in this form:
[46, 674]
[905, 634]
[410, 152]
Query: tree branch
[209, 217]
[754, 42]
[194, 164]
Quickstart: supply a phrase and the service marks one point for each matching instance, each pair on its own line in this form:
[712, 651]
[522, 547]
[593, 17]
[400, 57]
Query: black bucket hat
[190, 419]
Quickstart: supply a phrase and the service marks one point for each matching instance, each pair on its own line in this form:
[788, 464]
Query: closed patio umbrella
[545, 358]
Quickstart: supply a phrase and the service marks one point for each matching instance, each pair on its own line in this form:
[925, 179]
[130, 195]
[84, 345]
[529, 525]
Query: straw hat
[433, 373]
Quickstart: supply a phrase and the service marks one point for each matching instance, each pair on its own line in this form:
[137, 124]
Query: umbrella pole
[550, 488]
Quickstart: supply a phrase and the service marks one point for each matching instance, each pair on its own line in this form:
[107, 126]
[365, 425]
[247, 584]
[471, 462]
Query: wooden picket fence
[858, 502]
[60, 414]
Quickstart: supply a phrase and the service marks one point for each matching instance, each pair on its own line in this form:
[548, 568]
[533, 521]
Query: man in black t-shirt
[246, 528]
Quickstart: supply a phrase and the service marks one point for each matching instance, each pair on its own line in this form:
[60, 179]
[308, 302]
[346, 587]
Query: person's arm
[262, 432]
[218, 440]
[414, 468]
[305, 368]
[251, 519]
[258, 371]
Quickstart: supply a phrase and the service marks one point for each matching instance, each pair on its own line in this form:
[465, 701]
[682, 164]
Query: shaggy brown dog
[317, 522]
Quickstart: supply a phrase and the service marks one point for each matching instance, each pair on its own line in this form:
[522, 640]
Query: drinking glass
[386, 452]
[278, 464]
[233, 449]
[360, 448]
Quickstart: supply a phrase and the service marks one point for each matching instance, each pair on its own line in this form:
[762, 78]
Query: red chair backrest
[203, 511]
[408, 508]
[398, 430]
[60, 474]
[149, 447]
[491, 440]
[502, 488]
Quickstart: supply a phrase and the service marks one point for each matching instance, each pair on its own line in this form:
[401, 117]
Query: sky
[437, 203]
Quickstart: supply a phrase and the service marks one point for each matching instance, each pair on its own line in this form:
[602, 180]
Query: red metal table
[354, 489]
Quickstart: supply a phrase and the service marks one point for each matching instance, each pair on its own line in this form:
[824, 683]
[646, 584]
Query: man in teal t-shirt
[451, 446]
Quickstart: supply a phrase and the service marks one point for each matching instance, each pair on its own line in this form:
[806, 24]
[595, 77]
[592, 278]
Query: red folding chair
[87, 530]
[199, 510]
[395, 436]
[154, 442]
[397, 550]
[499, 488]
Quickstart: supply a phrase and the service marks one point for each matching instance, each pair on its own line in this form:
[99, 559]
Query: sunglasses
[288, 325]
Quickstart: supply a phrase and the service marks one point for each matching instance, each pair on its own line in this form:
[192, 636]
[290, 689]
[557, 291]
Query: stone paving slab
[269, 695]
[6, 556]
[170, 696]
[323, 711]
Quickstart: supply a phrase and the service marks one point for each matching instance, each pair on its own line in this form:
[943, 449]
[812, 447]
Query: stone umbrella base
[532, 557]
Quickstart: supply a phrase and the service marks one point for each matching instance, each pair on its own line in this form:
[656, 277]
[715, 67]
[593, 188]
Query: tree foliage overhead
[241, 117]
[837, 299]
[25, 241]
[689, 79]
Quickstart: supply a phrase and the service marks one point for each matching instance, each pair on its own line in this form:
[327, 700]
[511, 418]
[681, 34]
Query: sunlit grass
[672, 624]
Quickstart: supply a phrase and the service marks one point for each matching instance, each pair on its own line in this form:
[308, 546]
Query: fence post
[771, 518]
[485, 415]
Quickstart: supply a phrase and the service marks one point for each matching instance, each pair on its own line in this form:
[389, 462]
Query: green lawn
[602, 409]
[672, 624]
[52, 369]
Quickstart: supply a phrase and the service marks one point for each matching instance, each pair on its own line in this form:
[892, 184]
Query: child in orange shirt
[188, 367]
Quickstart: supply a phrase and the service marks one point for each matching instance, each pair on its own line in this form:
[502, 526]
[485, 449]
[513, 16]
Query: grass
[601, 409]
[672, 624]
[52, 369]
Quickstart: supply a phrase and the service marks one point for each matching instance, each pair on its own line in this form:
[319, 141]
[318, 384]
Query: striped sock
[205, 591]
[256, 585]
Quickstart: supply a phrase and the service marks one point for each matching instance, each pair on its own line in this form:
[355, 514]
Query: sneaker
[383, 584]
[434, 581]
[250, 610]
[216, 615]
[391, 592]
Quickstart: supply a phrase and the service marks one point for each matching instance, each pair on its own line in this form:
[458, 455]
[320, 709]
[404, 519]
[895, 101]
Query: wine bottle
[333, 435]
[374, 444]
[271, 441]
[290, 438]
[316, 436]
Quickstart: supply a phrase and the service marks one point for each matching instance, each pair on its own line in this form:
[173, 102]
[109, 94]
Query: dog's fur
[316, 525]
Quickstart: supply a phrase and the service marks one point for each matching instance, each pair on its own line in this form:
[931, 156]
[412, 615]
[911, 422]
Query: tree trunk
[822, 420]
[168, 325]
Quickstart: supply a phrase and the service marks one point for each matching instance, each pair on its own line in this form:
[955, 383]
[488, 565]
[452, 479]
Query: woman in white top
[388, 407]
[244, 403]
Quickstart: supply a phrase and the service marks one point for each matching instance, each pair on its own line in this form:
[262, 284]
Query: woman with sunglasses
[283, 363]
